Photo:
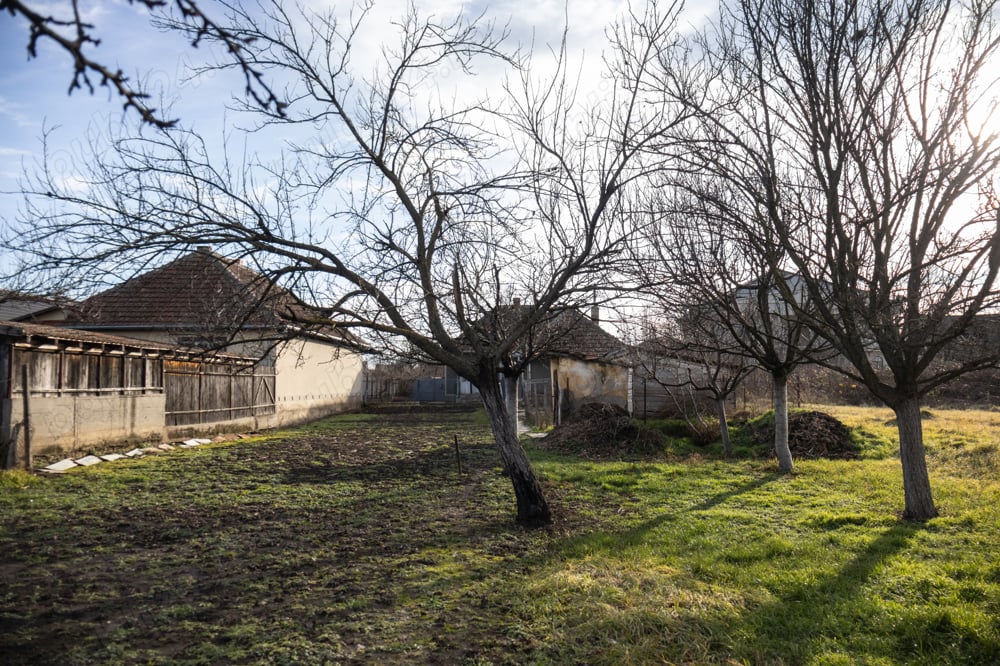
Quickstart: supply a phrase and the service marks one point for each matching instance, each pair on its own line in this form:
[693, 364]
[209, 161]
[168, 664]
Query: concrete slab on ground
[60, 466]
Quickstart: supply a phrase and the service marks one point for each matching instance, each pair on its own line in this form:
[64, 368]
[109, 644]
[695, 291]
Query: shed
[84, 388]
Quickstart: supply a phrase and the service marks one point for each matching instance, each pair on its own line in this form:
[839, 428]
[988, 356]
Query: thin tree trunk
[532, 509]
[727, 447]
[919, 504]
[781, 448]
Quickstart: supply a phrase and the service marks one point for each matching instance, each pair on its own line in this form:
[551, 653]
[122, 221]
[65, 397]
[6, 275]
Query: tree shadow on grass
[610, 541]
[847, 611]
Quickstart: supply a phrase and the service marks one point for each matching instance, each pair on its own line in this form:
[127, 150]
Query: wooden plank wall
[200, 392]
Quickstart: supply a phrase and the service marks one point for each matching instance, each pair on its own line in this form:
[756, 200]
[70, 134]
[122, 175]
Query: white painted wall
[315, 379]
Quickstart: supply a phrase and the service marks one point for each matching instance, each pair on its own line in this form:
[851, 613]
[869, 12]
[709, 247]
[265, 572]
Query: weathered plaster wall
[69, 423]
[581, 382]
[315, 379]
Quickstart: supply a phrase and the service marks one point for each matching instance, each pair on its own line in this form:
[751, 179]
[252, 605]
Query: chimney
[595, 313]
[206, 249]
[517, 302]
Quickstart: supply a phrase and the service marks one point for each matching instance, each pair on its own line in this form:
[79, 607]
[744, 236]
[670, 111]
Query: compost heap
[600, 430]
[811, 435]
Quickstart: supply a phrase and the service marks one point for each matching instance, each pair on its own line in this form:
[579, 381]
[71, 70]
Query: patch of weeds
[17, 479]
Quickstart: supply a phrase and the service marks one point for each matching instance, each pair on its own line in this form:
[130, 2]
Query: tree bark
[781, 448]
[720, 404]
[919, 504]
[532, 509]
[510, 395]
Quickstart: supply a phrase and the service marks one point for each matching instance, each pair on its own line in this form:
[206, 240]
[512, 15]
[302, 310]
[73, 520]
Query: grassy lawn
[356, 540]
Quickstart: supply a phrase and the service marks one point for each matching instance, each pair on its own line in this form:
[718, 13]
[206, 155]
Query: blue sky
[33, 93]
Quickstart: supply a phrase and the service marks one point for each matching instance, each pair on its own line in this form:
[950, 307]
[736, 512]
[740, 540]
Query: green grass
[355, 540]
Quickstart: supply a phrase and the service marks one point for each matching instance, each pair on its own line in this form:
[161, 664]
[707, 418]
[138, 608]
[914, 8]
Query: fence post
[27, 418]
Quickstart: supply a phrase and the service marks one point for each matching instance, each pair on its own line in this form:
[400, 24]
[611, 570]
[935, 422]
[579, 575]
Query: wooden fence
[199, 392]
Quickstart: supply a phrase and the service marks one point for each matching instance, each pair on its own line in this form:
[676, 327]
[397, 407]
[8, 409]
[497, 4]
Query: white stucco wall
[315, 379]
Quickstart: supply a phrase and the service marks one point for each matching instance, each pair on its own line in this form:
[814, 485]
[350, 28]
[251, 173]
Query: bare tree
[862, 135]
[70, 32]
[412, 212]
[697, 260]
[678, 356]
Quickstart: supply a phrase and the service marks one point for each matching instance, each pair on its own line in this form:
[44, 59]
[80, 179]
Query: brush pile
[601, 430]
[811, 435]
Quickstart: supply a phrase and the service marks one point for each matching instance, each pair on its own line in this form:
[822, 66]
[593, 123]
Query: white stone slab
[61, 466]
[110, 457]
[133, 453]
[167, 447]
[192, 442]
[87, 461]
[203, 441]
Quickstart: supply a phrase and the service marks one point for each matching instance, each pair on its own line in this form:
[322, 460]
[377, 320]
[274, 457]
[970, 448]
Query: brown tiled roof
[183, 293]
[575, 335]
[200, 291]
[568, 333]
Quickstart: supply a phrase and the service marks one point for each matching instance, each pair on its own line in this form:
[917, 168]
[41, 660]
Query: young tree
[863, 133]
[695, 260]
[690, 358]
[413, 211]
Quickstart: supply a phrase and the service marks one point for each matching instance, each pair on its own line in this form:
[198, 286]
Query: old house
[73, 389]
[207, 301]
[15, 306]
[581, 363]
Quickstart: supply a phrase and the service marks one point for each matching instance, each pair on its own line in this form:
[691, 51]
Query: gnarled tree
[415, 205]
[864, 133]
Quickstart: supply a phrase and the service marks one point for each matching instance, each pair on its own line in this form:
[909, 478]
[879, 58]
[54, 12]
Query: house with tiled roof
[15, 306]
[580, 363]
[576, 362]
[208, 301]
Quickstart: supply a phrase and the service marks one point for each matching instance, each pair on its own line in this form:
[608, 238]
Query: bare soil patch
[352, 541]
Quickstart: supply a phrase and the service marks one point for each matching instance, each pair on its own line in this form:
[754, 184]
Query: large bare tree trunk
[919, 504]
[510, 395]
[532, 509]
[781, 448]
[720, 404]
